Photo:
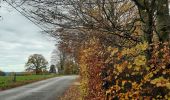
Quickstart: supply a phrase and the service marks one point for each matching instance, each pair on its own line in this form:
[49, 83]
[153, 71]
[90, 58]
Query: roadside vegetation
[11, 81]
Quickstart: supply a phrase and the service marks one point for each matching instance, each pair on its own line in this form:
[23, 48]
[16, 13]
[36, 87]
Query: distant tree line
[38, 64]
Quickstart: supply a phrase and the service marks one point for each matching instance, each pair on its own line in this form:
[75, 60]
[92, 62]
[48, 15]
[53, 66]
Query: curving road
[49, 89]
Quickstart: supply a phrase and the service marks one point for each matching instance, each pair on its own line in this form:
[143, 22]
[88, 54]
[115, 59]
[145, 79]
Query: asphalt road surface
[49, 89]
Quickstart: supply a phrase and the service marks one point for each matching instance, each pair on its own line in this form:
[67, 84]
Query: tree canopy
[36, 63]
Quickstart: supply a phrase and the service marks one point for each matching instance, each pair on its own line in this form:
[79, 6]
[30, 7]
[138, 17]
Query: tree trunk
[163, 23]
[36, 70]
[147, 18]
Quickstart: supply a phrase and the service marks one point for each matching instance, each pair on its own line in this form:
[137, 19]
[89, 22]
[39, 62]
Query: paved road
[48, 89]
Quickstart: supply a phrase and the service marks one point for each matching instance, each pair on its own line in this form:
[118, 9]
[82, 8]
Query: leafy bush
[125, 73]
[90, 67]
[132, 76]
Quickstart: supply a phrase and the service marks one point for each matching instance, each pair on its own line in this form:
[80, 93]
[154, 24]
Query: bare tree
[120, 18]
[116, 17]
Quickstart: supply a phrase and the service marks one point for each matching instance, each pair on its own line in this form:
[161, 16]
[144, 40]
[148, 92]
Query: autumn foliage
[133, 77]
[125, 73]
[91, 64]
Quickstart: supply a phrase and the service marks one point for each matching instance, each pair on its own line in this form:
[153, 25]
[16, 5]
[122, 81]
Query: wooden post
[14, 77]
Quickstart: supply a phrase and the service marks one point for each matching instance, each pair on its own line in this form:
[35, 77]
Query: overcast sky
[20, 38]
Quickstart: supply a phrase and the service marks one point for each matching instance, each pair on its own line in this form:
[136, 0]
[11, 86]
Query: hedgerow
[125, 73]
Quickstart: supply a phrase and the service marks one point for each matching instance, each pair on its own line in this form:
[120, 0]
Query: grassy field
[7, 82]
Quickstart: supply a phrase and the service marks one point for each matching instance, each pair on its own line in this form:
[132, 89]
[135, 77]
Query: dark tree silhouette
[2, 73]
[52, 69]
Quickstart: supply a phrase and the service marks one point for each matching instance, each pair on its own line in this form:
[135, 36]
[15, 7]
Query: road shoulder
[73, 93]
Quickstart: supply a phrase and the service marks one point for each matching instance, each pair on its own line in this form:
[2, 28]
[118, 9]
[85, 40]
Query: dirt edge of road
[73, 92]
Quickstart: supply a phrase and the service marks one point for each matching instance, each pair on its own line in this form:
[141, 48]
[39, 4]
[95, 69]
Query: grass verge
[6, 82]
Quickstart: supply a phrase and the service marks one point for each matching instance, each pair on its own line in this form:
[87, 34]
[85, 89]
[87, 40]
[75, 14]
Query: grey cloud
[19, 38]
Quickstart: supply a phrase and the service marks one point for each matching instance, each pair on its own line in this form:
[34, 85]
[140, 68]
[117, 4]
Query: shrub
[125, 73]
[90, 67]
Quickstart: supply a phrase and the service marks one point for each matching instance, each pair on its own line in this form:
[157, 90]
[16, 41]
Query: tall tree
[163, 24]
[115, 17]
[104, 16]
[112, 16]
[36, 63]
[155, 16]
[52, 69]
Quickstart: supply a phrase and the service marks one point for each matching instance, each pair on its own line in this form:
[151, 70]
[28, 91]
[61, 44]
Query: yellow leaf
[115, 50]
[140, 60]
[129, 66]
[137, 68]
[147, 68]
[109, 48]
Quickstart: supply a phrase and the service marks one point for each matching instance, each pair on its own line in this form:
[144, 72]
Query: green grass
[7, 81]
